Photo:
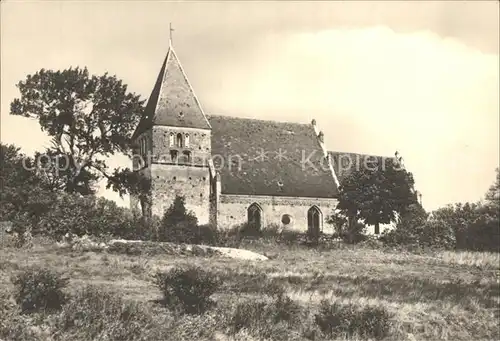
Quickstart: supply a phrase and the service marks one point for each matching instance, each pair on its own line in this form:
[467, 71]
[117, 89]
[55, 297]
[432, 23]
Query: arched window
[143, 146]
[179, 140]
[186, 141]
[171, 140]
[314, 221]
[173, 155]
[187, 156]
[254, 217]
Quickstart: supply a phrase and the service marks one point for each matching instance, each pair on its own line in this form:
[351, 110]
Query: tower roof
[172, 101]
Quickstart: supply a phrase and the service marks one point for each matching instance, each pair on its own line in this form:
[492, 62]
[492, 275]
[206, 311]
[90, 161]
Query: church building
[231, 170]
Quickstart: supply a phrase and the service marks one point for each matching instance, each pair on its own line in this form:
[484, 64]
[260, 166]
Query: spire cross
[171, 30]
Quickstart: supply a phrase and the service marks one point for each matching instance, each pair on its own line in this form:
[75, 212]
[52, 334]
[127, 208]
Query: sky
[421, 78]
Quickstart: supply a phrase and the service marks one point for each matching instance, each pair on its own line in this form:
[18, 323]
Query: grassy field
[441, 296]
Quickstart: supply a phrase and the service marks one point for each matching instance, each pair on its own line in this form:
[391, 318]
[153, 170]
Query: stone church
[232, 170]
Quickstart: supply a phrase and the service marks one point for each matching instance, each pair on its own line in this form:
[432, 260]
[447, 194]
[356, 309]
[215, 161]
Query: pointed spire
[173, 101]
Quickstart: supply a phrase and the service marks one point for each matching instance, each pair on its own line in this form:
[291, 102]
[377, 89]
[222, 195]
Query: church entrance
[254, 217]
[314, 222]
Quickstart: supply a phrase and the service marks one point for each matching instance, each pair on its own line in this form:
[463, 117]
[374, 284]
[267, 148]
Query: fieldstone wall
[199, 145]
[232, 210]
[193, 183]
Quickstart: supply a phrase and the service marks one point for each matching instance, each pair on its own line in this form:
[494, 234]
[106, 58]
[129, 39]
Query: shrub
[178, 225]
[247, 230]
[417, 229]
[268, 319]
[39, 289]
[289, 236]
[229, 237]
[99, 315]
[475, 225]
[271, 232]
[90, 215]
[188, 290]
[349, 233]
[207, 234]
[336, 320]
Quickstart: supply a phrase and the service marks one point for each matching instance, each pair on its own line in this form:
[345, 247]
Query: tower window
[179, 140]
[173, 155]
[187, 156]
[186, 141]
[171, 140]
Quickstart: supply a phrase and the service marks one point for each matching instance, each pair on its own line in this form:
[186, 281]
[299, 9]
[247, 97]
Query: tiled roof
[258, 145]
[172, 101]
[345, 163]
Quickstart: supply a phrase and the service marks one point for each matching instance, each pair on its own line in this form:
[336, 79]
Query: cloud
[376, 91]
[372, 89]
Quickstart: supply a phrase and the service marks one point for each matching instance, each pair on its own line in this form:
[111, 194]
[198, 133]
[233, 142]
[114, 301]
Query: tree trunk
[350, 229]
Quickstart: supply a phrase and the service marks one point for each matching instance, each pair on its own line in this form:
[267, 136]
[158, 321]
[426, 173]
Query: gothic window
[314, 222]
[143, 146]
[186, 141]
[171, 140]
[173, 155]
[187, 156]
[179, 140]
[255, 217]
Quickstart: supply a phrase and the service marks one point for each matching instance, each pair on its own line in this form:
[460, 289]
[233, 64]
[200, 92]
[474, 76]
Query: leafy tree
[376, 193]
[417, 228]
[88, 118]
[493, 195]
[24, 196]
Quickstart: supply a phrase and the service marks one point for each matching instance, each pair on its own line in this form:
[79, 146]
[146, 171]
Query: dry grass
[483, 260]
[445, 296]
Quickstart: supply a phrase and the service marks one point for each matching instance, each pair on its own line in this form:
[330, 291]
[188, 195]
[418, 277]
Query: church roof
[346, 163]
[257, 157]
[172, 101]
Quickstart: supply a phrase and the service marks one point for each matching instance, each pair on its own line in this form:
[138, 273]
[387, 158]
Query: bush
[349, 233]
[415, 229]
[39, 289]
[188, 290]
[98, 315]
[268, 319]
[337, 320]
[291, 237]
[475, 225]
[90, 215]
[178, 225]
[229, 237]
[247, 230]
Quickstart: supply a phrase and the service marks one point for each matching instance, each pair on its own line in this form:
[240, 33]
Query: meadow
[428, 296]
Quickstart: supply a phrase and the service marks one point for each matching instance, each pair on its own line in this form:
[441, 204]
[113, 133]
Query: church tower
[174, 140]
